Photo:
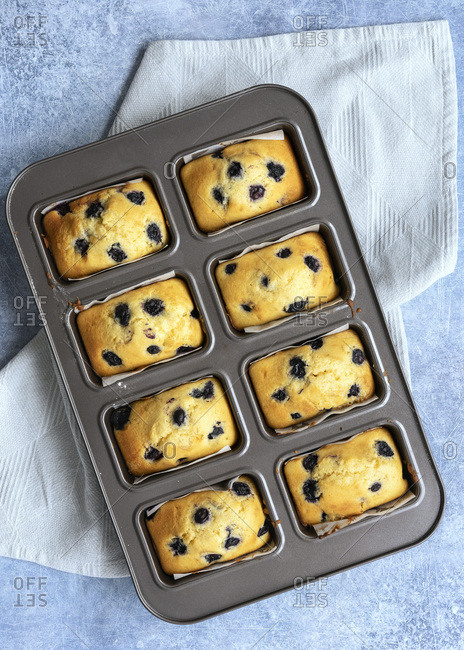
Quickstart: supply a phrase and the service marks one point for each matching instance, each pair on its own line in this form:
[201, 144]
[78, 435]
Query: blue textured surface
[63, 95]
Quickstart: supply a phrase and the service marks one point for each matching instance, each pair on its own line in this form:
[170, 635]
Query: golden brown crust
[120, 229]
[245, 180]
[346, 479]
[227, 527]
[176, 426]
[140, 327]
[296, 384]
[277, 280]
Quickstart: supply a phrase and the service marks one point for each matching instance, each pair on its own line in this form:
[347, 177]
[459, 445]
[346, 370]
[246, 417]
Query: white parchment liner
[264, 550]
[271, 135]
[303, 312]
[106, 187]
[318, 418]
[329, 527]
[139, 479]
[107, 381]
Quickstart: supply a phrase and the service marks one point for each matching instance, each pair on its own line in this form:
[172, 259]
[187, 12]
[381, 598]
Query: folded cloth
[385, 98]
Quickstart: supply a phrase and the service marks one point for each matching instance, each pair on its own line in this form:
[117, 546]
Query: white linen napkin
[385, 98]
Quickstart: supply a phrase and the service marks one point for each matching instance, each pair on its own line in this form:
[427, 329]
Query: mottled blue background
[64, 94]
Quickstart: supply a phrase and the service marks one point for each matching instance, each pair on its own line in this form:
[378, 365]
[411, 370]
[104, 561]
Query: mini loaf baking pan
[156, 153]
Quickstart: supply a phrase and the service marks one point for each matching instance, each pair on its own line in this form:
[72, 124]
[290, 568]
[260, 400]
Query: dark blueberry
[316, 344]
[235, 170]
[241, 489]
[280, 395]
[179, 416]
[122, 314]
[111, 358]
[153, 454]
[231, 541]
[230, 268]
[309, 462]
[275, 170]
[256, 192]
[296, 306]
[154, 232]
[136, 197]
[195, 313]
[149, 333]
[94, 210]
[295, 416]
[184, 348]
[297, 367]
[201, 516]
[81, 246]
[265, 281]
[312, 263]
[324, 517]
[63, 208]
[177, 546]
[354, 391]
[284, 253]
[218, 195]
[217, 154]
[120, 417]
[207, 392]
[357, 356]
[384, 449]
[153, 306]
[265, 528]
[247, 307]
[116, 253]
[217, 431]
[153, 349]
[212, 557]
[311, 490]
[375, 487]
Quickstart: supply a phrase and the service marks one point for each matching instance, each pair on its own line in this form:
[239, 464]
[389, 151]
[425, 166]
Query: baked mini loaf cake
[346, 479]
[281, 279]
[140, 327]
[242, 181]
[105, 228]
[210, 526]
[296, 384]
[173, 427]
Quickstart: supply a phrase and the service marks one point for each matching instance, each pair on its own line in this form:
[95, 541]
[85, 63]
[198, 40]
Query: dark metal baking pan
[148, 151]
